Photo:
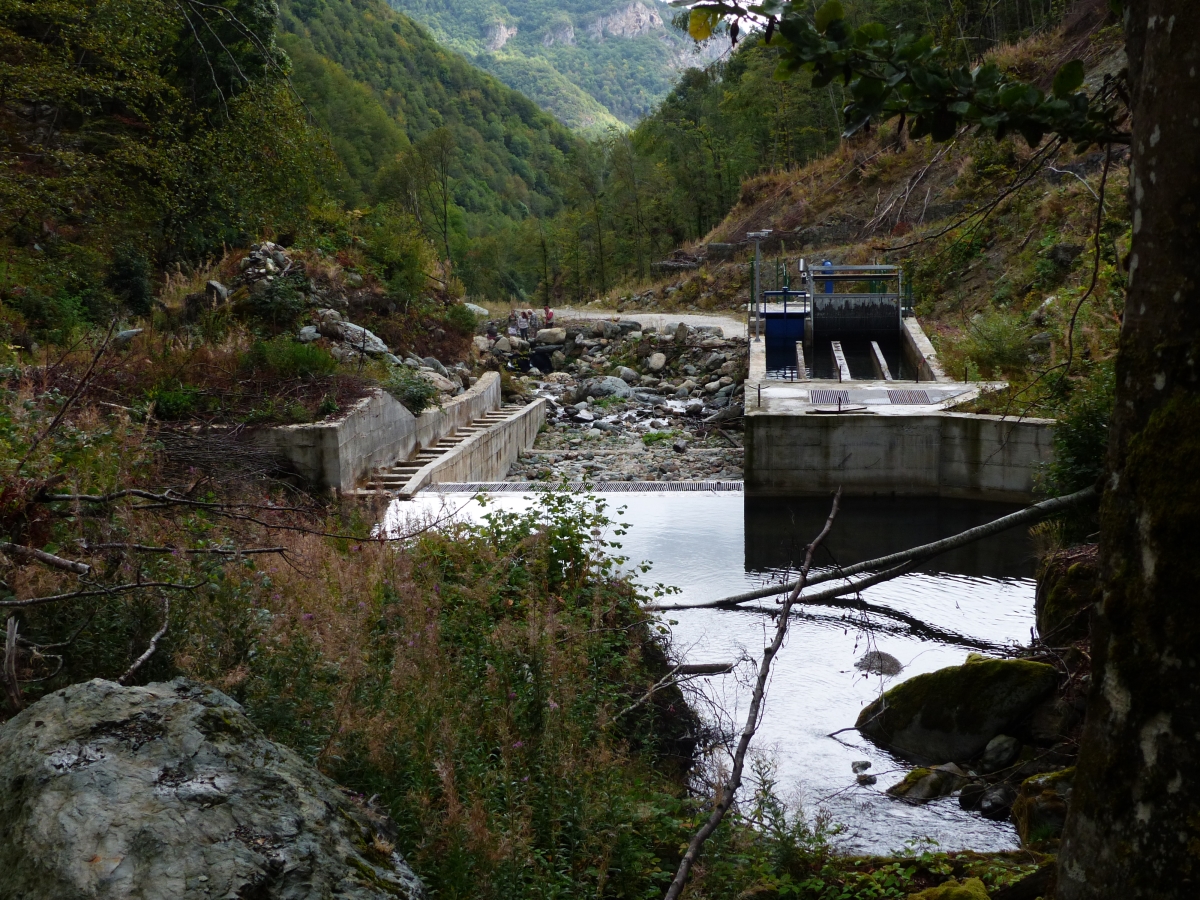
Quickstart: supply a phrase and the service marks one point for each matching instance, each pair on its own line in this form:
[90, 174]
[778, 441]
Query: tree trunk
[1133, 830]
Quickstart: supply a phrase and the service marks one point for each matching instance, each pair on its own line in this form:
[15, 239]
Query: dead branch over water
[726, 792]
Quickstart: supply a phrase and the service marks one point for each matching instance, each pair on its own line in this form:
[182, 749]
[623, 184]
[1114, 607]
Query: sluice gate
[860, 309]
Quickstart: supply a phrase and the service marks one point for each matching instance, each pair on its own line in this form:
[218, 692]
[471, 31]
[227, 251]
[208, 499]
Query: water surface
[711, 545]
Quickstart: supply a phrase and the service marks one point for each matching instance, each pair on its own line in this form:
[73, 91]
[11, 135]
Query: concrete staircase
[393, 479]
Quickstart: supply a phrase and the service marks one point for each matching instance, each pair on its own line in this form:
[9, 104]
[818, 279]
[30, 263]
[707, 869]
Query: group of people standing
[524, 322]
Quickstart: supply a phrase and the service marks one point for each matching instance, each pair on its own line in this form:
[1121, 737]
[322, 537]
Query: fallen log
[895, 564]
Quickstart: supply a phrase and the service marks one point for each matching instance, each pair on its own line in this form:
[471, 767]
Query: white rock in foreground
[168, 791]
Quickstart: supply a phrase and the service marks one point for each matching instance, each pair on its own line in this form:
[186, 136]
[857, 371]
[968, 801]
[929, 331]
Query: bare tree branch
[11, 686]
[916, 554]
[46, 559]
[158, 635]
[102, 592]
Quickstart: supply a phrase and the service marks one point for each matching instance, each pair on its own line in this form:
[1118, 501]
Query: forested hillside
[592, 63]
[678, 173]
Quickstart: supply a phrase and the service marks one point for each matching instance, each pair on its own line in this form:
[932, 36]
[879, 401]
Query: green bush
[459, 318]
[285, 358]
[998, 343]
[1081, 435]
[279, 305]
[411, 389]
[175, 403]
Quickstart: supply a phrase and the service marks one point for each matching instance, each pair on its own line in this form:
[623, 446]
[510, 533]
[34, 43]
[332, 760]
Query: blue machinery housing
[850, 304]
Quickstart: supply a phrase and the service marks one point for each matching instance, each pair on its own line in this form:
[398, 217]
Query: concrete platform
[876, 438]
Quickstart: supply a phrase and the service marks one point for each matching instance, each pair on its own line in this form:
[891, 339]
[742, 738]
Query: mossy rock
[969, 889]
[1068, 586]
[922, 785]
[1041, 808]
[952, 713]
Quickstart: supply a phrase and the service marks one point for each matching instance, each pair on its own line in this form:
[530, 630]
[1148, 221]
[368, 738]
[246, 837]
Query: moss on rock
[968, 889]
[1068, 585]
[952, 713]
[1041, 808]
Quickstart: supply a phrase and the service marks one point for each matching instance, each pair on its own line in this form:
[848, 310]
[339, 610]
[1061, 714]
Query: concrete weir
[376, 431]
[886, 437]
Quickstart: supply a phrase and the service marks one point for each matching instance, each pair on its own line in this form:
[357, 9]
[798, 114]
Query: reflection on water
[778, 529]
[713, 545]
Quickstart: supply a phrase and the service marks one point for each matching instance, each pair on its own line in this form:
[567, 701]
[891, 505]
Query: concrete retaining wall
[376, 432]
[485, 456]
[940, 454]
[920, 353]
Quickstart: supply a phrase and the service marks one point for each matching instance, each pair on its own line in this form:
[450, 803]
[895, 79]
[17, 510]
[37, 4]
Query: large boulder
[953, 713]
[168, 791]
[551, 336]
[606, 386]
[357, 338]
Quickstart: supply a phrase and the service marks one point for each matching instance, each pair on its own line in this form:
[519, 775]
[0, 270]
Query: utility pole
[756, 236]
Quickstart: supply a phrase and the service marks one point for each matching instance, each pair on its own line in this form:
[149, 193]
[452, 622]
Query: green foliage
[174, 134]
[460, 319]
[285, 358]
[651, 438]
[998, 343]
[277, 305]
[1081, 434]
[911, 75]
[416, 393]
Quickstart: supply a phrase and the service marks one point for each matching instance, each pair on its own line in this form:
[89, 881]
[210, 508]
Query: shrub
[285, 359]
[279, 305]
[129, 279]
[1081, 435]
[411, 389]
[998, 342]
[460, 319]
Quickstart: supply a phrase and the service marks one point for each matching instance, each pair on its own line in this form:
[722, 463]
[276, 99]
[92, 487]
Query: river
[712, 544]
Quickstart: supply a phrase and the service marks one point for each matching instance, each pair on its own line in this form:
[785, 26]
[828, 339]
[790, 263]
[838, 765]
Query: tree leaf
[829, 13]
[702, 22]
[1069, 78]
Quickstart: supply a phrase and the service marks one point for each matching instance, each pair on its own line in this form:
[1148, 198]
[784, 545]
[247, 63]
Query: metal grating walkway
[831, 398]
[608, 487]
[909, 398]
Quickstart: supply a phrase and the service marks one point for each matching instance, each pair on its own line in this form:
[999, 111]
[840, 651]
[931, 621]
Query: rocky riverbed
[630, 403]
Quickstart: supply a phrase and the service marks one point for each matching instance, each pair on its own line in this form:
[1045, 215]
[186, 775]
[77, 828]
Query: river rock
[657, 362]
[604, 386]
[997, 801]
[627, 375]
[308, 334]
[502, 345]
[168, 791]
[953, 713]
[682, 332]
[434, 363]
[606, 329]
[551, 336]
[921, 785]
[440, 382]
[876, 662]
[1040, 808]
[1000, 752]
